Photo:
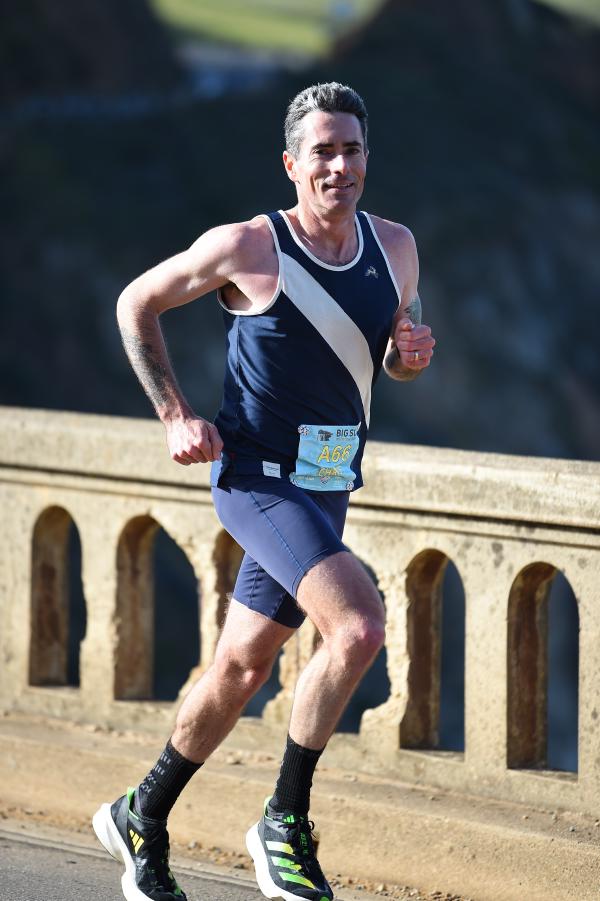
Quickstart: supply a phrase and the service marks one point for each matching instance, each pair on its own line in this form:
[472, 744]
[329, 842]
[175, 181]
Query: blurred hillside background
[129, 127]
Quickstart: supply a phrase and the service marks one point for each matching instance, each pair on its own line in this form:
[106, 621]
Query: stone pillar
[101, 522]
[20, 513]
[487, 573]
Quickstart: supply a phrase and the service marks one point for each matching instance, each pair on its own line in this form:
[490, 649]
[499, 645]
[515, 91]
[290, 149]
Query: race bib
[325, 455]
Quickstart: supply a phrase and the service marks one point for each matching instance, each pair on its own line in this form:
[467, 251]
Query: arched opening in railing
[542, 668]
[58, 612]
[176, 618]
[452, 677]
[563, 676]
[434, 717]
[156, 615]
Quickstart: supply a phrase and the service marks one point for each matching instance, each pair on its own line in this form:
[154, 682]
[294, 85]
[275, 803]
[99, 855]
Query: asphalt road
[38, 870]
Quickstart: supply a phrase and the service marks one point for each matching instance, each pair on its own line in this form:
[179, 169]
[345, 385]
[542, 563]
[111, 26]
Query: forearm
[145, 347]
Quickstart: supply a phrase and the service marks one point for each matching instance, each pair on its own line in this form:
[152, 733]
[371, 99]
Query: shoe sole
[261, 867]
[110, 839]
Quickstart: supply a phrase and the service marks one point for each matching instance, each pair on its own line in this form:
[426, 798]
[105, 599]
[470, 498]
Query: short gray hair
[331, 97]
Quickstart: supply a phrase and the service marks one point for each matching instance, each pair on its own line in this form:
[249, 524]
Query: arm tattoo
[413, 310]
[150, 363]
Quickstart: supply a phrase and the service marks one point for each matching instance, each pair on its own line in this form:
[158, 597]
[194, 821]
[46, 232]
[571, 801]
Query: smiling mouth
[340, 186]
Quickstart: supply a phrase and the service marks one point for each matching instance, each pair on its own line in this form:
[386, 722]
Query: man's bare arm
[410, 347]
[206, 265]
[148, 356]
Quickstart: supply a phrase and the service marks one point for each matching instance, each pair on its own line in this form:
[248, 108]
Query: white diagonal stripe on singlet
[333, 324]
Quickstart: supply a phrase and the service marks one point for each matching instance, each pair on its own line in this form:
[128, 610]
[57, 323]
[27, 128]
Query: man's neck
[332, 238]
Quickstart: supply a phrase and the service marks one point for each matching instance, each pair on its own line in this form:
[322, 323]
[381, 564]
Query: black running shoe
[142, 845]
[283, 851]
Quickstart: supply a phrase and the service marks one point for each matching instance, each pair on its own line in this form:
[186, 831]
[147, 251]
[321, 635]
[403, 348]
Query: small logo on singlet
[371, 271]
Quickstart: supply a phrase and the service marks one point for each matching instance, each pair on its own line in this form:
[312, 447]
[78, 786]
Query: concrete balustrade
[508, 524]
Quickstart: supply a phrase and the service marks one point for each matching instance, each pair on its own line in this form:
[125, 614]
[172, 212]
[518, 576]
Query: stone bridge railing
[508, 524]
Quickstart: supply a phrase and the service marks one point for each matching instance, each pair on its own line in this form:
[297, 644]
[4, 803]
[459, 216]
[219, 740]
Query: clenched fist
[414, 344]
[193, 440]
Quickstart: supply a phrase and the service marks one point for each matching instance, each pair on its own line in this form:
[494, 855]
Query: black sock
[292, 792]
[155, 796]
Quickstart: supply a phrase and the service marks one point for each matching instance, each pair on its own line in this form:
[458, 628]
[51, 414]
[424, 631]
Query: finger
[412, 342]
[415, 335]
[193, 455]
[422, 331]
[215, 442]
[416, 359]
[422, 360]
[178, 459]
[212, 441]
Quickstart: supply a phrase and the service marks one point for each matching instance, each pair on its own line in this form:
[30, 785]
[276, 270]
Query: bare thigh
[249, 639]
[338, 591]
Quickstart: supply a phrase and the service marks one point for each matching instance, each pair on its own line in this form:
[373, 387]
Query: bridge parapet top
[434, 480]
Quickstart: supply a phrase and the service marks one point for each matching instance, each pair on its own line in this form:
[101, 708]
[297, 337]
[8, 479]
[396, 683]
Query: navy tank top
[303, 368]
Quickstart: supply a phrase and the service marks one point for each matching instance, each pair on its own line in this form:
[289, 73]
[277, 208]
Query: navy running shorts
[284, 531]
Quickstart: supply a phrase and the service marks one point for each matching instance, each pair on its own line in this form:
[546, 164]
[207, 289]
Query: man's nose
[339, 163]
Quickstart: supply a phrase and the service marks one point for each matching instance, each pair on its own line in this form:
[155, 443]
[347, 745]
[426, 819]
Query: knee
[244, 674]
[360, 641]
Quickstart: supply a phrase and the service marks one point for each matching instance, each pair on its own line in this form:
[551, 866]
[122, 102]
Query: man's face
[330, 169]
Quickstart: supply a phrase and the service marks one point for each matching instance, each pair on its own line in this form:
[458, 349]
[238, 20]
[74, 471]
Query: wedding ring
[416, 355]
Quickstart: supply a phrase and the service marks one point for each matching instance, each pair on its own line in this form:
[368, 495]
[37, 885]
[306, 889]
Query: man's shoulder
[236, 245]
[243, 236]
[399, 244]
[393, 235]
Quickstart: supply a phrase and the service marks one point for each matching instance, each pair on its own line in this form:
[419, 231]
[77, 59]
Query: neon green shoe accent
[301, 880]
[290, 818]
[130, 794]
[280, 846]
[283, 862]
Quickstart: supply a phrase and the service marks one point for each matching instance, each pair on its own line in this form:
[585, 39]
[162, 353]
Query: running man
[315, 300]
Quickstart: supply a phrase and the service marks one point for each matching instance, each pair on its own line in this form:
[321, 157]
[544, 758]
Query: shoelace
[163, 875]
[171, 883]
[296, 830]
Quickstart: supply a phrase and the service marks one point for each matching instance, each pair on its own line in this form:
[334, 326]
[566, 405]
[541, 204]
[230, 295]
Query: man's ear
[289, 164]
